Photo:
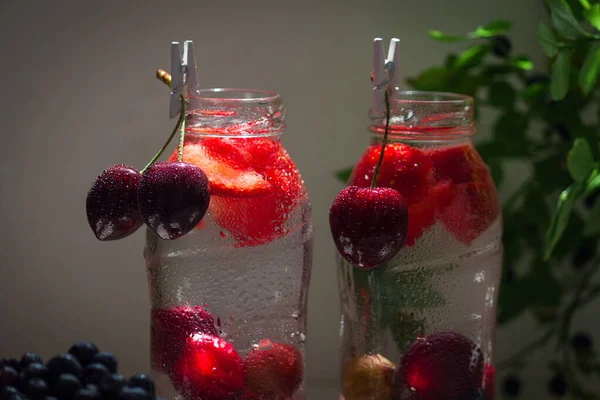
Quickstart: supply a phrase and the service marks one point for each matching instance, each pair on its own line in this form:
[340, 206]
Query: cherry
[173, 197]
[208, 369]
[444, 365]
[112, 203]
[274, 371]
[368, 224]
[171, 327]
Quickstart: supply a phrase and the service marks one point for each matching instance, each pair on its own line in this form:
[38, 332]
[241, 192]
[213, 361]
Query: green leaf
[563, 19]
[547, 41]
[580, 160]
[343, 175]
[501, 94]
[405, 327]
[437, 35]
[522, 62]
[592, 14]
[534, 94]
[471, 57]
[561, 217]
[561, 71]
[592, 222]
[491, 29]
[558, 179]
[431, 79]
[585, 3]
[590, 69]
[593, 183]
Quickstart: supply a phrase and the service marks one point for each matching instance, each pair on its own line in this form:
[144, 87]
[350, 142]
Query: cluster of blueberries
[83, 373]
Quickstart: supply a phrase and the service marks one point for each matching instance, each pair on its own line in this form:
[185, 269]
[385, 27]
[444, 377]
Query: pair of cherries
[170, 197]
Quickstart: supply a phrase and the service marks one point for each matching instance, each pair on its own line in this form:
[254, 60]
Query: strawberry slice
[461, 164]
[424, 214]
[259, 220]
[474, 208]
[244, 152]
[224, 179]
[404, 168]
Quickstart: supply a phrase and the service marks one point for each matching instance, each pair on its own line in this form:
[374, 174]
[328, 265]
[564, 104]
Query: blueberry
[511, 386]
[111, 384]
[501, 46]
[89, 392]
[557, 385]
[106, 359]
[143, 381]
[581, 341]
[11, 393]
[64, 364]
[133, 393]
[8, 377]
[29, 358]
[66, 386]
[10, 362]
[36, 388]
[34, 370]
[83, 352]
[94, 373]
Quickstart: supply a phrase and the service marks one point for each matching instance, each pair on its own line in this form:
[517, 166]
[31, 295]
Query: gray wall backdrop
[78, 93]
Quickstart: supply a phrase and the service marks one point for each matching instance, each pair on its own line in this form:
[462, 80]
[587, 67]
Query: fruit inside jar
[228, 312]
[420, 325]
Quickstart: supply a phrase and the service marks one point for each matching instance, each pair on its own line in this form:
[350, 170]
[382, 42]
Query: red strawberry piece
[444, 365]
[474, 208]
[461, 164]
[488, 381]
[171, 327]
[224, 179]
[247, 152]
[404, 168]
[424, 214]
[261, 219]
[368, 225]
[209, 369]
[274, 371]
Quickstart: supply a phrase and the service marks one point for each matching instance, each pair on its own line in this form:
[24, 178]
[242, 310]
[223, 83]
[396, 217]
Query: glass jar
[228, 316]
[421, 326]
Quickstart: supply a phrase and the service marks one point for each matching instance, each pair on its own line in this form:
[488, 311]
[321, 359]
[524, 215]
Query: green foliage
[564, 163]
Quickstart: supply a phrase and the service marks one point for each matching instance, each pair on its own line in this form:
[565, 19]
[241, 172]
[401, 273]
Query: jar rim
[234, 95]
[426, 97]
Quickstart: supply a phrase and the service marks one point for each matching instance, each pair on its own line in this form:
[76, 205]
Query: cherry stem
[181, 136]
[385, 136]
[180, 121]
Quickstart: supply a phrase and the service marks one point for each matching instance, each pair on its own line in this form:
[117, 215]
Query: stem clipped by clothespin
[384, 77]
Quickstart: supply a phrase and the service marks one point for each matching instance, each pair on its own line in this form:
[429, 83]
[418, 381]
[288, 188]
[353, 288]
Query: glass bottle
[421, 326]
[228, 299]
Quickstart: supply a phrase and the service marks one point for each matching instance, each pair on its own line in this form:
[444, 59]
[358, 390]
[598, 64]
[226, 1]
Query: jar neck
[235, 113]
[425, 116]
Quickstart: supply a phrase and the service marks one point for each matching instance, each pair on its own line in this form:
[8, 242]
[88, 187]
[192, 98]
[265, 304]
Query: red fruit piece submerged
[209, 369]
[404, 168]
[474, 208]
[444, 365]
[488, 381]
[460, 164]
[112, 203]
[225, 179]
[274, 371]
[368, 224]
[262, 218]
[173, 197]
[171, 327]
